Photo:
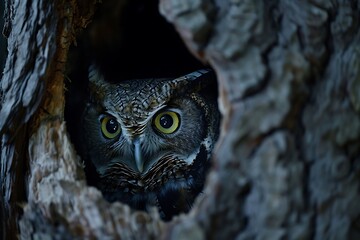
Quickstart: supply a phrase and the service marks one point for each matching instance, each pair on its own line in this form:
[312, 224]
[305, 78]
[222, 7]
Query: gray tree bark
[286, 165]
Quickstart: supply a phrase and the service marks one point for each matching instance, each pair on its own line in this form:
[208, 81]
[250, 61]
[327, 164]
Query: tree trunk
[286, 165]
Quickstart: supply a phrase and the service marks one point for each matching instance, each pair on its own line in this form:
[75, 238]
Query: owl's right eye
[110, 127]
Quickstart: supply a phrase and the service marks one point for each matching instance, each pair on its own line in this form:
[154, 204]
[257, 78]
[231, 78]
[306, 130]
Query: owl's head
[150, 140]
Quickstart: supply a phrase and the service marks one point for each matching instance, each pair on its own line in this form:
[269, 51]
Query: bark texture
[286, 165]
[39, 35]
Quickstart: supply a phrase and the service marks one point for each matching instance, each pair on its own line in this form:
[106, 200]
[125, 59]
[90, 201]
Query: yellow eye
[110, 127]
[167, 122]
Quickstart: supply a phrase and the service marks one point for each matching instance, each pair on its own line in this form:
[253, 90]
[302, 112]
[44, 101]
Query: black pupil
[112, 126]
[166, 121]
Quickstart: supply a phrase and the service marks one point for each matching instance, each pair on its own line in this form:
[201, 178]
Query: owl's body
[149, 141]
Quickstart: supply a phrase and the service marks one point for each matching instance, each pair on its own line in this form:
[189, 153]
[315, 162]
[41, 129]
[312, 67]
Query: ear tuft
[203, 80]
[197, 74]
[97, 83]
[95, 77]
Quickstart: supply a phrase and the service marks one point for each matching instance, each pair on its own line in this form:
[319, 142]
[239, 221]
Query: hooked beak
[138, 155]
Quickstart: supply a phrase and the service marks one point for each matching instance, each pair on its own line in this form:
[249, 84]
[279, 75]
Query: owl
[148, 142]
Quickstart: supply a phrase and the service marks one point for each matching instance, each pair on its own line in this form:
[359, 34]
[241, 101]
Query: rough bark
[39, 34]
[286, 165]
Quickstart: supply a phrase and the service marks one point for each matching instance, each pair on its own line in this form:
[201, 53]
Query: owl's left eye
[167, 122]
[110, 127]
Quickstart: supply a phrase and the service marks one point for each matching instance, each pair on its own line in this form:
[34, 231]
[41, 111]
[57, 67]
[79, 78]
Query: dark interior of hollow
[126, 41]
[133, 40]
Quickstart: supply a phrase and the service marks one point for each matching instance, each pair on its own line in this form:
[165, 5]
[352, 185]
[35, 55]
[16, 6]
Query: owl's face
[150, 140]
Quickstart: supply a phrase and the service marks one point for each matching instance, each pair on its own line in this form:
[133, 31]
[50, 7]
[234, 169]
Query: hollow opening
[126, 41]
